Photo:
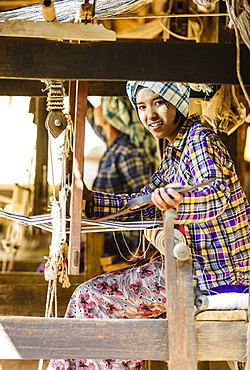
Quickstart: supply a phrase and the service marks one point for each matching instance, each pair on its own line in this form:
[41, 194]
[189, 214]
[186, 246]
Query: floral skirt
[136, 292]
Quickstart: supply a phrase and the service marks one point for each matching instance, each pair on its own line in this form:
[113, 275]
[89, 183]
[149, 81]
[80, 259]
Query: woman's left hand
[170, 199]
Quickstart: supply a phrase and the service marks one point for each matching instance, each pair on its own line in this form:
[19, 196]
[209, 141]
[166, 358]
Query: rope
[152, 16]
[238, 56]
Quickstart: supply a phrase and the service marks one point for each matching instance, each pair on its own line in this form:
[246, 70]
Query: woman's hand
[165, 200]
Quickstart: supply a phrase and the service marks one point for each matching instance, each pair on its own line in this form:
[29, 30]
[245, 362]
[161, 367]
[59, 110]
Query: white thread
[227, 301]
[133, 255]
[156, 237]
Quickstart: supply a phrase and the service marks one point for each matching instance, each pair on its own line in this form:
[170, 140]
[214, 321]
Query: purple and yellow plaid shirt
[216, 217]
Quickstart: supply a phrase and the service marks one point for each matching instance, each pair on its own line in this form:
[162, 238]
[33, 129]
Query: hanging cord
[238, 55]
[68, 137]
[134, 254]
[56, 265]
[165, 26]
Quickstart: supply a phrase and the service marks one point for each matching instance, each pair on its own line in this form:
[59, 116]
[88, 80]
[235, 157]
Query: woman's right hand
[165, 200]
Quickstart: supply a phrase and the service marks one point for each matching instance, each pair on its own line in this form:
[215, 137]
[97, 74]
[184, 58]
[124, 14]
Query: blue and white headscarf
[177, 93]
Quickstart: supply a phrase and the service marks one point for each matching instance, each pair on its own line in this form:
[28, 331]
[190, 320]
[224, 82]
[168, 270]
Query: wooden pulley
[56, 122]
[181, 251]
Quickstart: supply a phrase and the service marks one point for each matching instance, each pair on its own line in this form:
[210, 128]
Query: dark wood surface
[30, 299]
[26, 58]
[33, 278]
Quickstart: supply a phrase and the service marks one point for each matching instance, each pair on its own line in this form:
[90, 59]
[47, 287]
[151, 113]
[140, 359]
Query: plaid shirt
[216, 217]
[124, 168]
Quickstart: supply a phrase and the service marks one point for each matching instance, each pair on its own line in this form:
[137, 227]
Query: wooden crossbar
[35, 337]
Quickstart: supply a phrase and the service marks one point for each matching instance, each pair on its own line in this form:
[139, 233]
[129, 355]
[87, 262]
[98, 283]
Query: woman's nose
[151, 113]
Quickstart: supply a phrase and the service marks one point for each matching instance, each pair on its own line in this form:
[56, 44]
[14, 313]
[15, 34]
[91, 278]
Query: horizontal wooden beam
[34, 338]
[25, 58]
[35, 88]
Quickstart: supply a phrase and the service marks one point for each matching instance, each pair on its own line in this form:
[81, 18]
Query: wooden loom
[181, 342]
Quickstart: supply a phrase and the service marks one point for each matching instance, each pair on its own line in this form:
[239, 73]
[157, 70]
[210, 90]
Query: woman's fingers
[164, 200]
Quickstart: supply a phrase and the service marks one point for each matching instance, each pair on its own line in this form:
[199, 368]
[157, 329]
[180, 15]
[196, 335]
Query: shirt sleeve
[105, 204]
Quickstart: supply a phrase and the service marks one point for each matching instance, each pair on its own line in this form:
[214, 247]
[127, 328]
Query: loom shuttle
[144, 201]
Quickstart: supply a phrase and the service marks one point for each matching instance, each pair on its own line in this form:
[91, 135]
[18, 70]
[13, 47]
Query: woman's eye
[159, 102]
[141, 107]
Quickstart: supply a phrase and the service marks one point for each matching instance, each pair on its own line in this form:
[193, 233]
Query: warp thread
[156, 237]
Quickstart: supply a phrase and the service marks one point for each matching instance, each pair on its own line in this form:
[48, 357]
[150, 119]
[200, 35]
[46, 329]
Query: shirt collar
[180, 140]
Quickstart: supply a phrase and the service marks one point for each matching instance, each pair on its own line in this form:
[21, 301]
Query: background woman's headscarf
[119, 112]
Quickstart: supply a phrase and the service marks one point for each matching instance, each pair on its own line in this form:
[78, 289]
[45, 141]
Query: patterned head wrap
[119, 113]
[176, 93]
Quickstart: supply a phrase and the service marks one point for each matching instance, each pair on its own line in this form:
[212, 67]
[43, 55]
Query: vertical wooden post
[77, 177]
[180, 303]
[40, 201]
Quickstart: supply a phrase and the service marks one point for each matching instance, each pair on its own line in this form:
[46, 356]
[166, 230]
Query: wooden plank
[212, 347]
[30, 300]
[40, 193]
[18, 87]
[122, 60]
[77, 178]
[180, 303]
[9, 87]
[69, 31]
[22, 364]
[218, 315]
[34, 338]
[9, 4]
[30, 265]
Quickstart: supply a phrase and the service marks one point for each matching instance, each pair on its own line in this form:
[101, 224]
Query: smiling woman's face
[156, 114]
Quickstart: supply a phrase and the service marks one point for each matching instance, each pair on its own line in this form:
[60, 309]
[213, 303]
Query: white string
[133, 255]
